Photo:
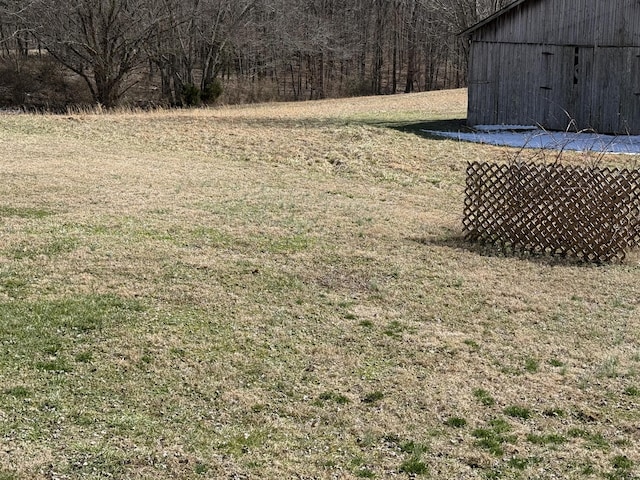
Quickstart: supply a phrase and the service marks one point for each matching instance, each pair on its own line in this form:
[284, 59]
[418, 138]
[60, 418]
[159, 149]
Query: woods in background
[54, 53]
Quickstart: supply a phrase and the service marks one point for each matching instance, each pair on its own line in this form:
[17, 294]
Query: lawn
[282, 291]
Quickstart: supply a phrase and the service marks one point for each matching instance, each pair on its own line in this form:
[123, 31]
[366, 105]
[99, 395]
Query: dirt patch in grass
[282, 290]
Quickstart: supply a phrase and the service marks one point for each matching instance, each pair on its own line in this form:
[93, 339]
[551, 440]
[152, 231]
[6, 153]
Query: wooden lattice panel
[589, 213]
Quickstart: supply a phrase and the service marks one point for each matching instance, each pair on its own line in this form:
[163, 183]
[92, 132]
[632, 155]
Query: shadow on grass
[456, 241]
[421, 128]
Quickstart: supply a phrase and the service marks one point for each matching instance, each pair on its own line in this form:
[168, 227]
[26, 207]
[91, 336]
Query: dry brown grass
[281, 291]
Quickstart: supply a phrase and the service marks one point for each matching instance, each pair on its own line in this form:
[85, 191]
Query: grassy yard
[281, 291]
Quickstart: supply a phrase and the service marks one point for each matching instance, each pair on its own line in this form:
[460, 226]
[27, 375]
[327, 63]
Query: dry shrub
[39, 83]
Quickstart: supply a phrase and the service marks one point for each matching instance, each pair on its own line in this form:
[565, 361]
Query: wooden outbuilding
[560, 64]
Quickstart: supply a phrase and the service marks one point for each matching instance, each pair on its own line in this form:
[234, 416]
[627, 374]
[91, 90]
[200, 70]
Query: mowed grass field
[282, 291]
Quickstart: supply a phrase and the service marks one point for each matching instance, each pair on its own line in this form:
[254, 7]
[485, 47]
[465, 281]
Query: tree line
[183, 52]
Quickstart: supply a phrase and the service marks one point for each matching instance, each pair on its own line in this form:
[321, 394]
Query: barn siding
[560, 64]
[563, 22]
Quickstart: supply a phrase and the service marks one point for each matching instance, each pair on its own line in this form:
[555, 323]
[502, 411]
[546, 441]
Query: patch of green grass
[244, 443]
[622, 462]
[212, 237]
[554, 412]
[394, 329]
[546, 439]
[622, 466]
[500, 425]
[52, 348]
[373, 397]
[52, 248]
[360, 469]
[531, 365]
[13, 285]
[200, 468]
[24, 212]
[489, 440]
[364, 472]
[8, 474]
[609, 368]
[84, 357]
[17, 392]
[90, 458]
[494, 473]
[493, 438]
[519, 463]
[632, 391]
[43, 332]
[554, 362]
[588, 469]
[578, 433]
[593, 440]
[56, 365]
[294, 244]
[473, 345]
[414, 466]
[455, 422]
[517, 411]
[178, 352]
[412, 448]
[511, 370]
[332, 397]
[146, 358]
[622, 303]
[484, 397]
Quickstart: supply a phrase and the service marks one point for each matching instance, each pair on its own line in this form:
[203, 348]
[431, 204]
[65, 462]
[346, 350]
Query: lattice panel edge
[590, 213]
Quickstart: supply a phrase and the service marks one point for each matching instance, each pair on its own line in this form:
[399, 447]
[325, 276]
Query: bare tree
[13, 24]
[102, 41]
[301, 49]
[193, 42]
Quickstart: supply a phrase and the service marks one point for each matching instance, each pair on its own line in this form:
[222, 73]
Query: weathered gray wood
[558, 63]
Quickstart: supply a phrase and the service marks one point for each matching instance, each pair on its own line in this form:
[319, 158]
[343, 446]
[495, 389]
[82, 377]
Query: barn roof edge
[491, 18]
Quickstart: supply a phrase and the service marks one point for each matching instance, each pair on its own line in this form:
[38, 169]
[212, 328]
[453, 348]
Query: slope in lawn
[281, 291]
